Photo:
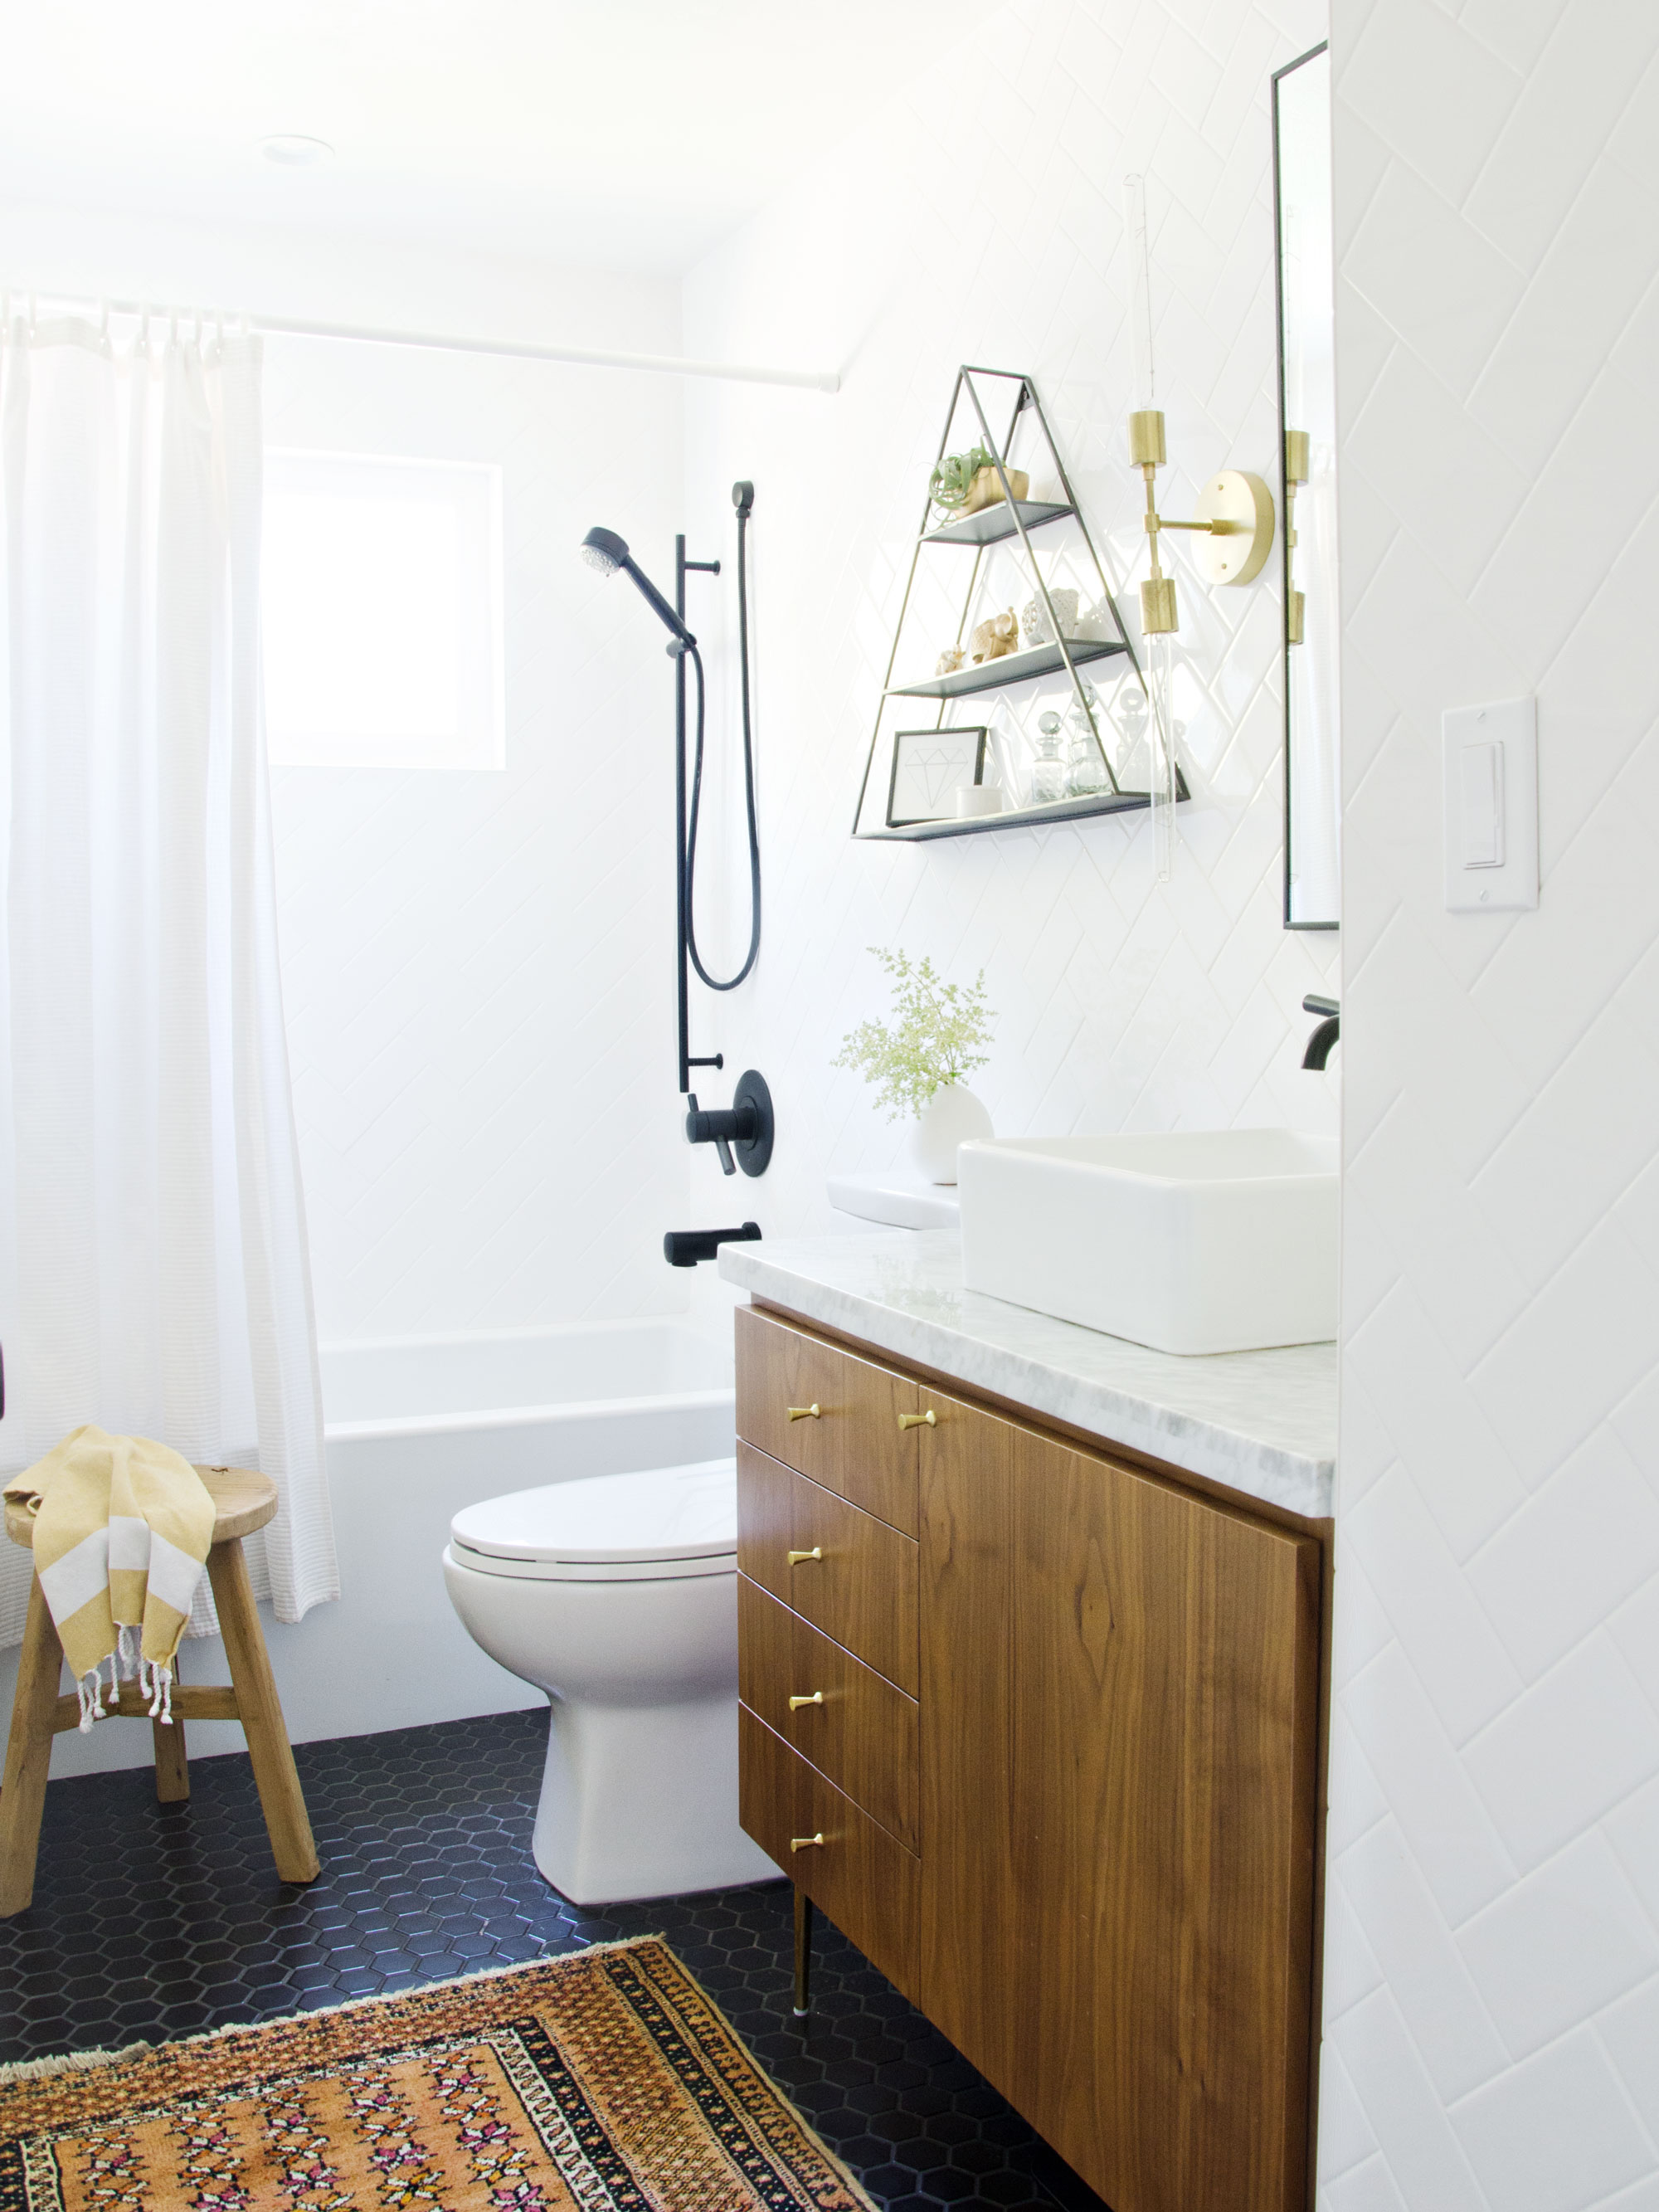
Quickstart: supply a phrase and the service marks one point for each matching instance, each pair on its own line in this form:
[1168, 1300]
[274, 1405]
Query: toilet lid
[661, 1514]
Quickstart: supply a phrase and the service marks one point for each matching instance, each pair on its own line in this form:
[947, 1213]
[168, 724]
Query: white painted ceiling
[632, 134]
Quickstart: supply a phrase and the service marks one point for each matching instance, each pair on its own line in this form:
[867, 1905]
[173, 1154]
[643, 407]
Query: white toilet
[618, 1595]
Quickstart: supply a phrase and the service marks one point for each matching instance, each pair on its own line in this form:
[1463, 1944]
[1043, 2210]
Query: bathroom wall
[1492, 1969]
[981, 220]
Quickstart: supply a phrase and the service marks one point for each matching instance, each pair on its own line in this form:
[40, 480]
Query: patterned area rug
[605, 2082]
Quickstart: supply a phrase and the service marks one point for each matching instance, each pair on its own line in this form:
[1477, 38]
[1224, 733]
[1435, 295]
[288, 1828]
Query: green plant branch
[933, 1039]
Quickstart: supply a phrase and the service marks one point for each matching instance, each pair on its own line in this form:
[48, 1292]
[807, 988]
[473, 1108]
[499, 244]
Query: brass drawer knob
[803, 1412]
[928, 1421]
[816, 1698]
[795, 1557]
[805, 1843]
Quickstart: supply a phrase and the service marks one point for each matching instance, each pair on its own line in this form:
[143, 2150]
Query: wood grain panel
[1164, 1737]
[967, 1939]
[862, 1592]
[854, 1445]
[862, 1736]
[860, 1875]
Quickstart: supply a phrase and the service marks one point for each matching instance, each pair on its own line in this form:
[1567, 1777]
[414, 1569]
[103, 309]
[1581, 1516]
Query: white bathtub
[525, 1405]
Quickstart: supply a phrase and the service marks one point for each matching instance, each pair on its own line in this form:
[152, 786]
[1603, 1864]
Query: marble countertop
[1263, 1423]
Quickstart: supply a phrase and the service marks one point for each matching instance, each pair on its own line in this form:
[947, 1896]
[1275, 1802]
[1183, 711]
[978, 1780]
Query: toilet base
[642, 1802]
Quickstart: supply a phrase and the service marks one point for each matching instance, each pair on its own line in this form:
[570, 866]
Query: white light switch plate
[1490, 805]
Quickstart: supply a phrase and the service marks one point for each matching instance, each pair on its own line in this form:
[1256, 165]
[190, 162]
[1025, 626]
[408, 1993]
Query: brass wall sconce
[1235, 521]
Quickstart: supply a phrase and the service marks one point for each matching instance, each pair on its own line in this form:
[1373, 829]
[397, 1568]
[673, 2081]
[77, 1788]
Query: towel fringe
[160, 1705]
[90, 1691]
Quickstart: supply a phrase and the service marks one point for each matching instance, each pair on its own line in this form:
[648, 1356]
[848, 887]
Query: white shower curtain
[155, 1277]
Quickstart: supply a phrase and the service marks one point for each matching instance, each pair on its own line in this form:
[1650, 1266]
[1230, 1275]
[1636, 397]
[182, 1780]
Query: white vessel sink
[1212, 1240]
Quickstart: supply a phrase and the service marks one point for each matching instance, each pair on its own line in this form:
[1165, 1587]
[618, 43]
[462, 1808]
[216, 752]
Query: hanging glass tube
[1140, 289]
[1158, 596]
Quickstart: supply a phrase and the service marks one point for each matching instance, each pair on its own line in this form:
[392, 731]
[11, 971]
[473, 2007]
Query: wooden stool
[245, 1502]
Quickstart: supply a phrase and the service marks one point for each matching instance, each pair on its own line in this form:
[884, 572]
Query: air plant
[952, 480]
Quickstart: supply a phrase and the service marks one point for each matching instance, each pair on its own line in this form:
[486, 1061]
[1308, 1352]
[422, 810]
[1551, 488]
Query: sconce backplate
[1243, 500]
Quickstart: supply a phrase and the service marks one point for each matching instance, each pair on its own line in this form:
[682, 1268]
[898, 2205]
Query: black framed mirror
[1304, 265]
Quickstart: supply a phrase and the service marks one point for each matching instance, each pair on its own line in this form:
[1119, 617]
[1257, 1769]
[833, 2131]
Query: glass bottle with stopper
[1085, 770]
[1049, 769]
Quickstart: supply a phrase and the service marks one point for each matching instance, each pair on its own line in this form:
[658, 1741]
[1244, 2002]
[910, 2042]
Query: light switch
[1490, 796]
[1481, 769]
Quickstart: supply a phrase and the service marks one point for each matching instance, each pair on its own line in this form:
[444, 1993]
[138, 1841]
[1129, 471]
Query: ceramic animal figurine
[949, 660]
[997, 636]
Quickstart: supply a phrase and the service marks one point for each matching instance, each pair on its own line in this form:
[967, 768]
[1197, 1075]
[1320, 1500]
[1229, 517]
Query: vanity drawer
[861, 1587]
[867, 1883]
[846, 1434]
[862, 1733]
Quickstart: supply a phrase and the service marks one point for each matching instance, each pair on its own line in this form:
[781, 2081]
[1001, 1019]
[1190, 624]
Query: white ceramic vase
[949, 1119]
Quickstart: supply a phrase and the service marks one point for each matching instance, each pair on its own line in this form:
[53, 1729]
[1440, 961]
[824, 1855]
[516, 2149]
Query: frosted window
[382, 604]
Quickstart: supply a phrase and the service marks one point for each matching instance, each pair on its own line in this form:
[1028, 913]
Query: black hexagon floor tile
[152, 1921]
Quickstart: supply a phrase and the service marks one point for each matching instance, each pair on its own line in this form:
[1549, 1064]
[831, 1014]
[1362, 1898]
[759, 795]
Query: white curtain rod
[807, 380]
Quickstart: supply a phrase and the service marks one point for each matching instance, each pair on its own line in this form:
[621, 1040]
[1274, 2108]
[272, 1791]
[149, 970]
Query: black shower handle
[722, 1129]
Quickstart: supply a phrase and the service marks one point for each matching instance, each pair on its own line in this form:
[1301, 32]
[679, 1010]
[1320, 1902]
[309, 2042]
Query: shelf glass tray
[993, 524]
[1012, 668]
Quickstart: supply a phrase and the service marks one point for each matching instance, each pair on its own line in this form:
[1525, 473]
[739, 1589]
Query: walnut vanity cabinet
[1060, 1742]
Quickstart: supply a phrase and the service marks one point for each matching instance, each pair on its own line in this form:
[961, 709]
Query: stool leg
[172, 1767]
[28, 1756]
[267, 1746]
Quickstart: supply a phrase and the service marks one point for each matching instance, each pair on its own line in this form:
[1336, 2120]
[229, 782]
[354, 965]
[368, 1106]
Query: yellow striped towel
[122, 1530]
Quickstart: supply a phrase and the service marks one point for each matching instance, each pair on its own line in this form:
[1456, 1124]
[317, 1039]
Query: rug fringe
[69, 2062]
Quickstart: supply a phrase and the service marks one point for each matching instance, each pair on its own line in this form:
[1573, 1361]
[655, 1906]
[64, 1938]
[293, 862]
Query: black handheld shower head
[743, 496]
[604, 551]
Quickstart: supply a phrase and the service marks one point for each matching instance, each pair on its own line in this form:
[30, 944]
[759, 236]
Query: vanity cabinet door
[1162, 1797]
[968, 1953]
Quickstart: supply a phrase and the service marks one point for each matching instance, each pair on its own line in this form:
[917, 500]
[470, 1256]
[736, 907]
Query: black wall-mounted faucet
[1320, 1043]
[746, 1128]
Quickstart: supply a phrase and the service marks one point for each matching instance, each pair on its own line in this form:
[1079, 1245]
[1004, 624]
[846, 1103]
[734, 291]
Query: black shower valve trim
[746, 1127]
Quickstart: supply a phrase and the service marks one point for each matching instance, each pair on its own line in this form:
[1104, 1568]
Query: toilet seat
[661, 1525]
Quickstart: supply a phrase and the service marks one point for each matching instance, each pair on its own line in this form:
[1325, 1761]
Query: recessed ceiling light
[289, 150]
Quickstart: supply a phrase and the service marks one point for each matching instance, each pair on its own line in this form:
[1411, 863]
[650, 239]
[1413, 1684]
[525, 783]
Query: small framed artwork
[929, 768]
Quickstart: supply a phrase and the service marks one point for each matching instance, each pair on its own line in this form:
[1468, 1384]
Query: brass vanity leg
[803, 1953]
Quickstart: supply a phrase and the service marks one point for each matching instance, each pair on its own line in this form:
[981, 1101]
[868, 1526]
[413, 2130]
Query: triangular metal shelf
[988, 528]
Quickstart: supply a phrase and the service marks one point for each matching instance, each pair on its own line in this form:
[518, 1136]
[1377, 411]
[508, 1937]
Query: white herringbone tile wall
[1492, 1963]
[478, 967]
[981, 221]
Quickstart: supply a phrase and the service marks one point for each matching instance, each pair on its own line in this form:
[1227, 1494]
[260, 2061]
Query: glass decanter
[1049, 769]
[1086, 771]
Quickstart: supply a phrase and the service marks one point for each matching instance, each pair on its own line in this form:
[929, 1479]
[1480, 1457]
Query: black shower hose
[732, 983]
